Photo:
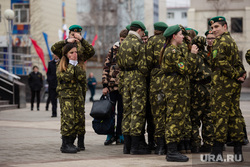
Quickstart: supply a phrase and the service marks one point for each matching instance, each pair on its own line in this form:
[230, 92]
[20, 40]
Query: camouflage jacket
[132, 54]
[176, 68]
[203, 71]
[226, 60]
[248, 56]
[111, 70]
[153, 49]
[69, 82]
[84, 49]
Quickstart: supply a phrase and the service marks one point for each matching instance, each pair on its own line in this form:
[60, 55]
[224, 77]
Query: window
[183, 15]
[21, 13]
[156, 11]
[236, 25]
[171, 15]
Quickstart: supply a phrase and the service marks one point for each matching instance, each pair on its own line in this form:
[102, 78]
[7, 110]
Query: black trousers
[53, 100]
[116, 97]
[33, 94]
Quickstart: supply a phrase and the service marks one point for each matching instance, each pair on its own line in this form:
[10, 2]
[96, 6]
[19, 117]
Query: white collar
[134, 33]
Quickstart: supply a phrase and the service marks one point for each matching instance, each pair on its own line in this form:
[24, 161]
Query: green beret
[138, 24]
[171, 30]
[161, 26]
[216, 19]
[146, 32]
[196, 32]
[128, 27]
[75, 28]
[208, 32]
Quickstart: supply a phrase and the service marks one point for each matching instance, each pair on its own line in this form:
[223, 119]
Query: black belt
[171, 73]
[64, 82]
[157, 66]
[129, 69]
[203, 82]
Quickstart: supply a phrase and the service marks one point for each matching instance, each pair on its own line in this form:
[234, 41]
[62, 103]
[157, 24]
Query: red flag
[39, 51]
[95, 38]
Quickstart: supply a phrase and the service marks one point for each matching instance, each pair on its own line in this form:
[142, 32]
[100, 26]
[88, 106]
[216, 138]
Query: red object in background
[20, 27]
[95, 38]
[39, 51]
[64, 34]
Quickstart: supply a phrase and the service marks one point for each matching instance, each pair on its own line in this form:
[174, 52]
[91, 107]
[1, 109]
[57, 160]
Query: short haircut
[124, 33]
[132, 28]
[35, 67]
[222, 23]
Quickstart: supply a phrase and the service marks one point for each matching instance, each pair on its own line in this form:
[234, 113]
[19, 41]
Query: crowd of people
[169, 84]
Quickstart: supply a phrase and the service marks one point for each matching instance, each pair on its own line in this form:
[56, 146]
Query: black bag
[102, 108]
[103, 126]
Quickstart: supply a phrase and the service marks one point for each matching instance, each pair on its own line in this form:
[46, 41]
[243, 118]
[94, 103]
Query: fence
[22, 64]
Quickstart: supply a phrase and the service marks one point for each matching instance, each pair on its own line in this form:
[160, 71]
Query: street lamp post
[9, 15]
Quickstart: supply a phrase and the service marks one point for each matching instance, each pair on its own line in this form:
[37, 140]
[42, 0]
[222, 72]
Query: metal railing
[22, 63]
[12, 78]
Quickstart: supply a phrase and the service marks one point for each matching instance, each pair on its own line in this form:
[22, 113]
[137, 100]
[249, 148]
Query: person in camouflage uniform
[227, 75]
[110, 81]
[248, 56]
[156, 96]
[175, 67]
[200, 98]
[132, 61]
[85, 51]
[185, 146]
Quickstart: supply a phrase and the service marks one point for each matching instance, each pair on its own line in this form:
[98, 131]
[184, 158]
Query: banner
[95, 38]
[85, 35]
[47, 44]
[39, 51]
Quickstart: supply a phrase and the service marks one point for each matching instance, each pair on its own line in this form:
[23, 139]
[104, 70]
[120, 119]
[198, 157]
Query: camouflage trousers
[72, 116]
[186, 134]
[156, 97]
[134, 103]
[201, 113]
[176, 117]
[226, 113]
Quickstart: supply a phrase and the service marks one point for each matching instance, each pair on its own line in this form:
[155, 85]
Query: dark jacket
[35, 81]
[51, 74]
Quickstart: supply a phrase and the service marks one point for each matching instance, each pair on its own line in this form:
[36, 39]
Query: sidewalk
[32, 139]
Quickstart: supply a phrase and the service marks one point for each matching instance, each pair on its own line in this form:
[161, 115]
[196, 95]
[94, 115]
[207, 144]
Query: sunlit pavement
[32, 139]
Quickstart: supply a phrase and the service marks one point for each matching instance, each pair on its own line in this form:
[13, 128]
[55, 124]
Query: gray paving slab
[32, 139]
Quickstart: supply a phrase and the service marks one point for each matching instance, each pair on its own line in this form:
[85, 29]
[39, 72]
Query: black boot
[238, 156]
[127, 144]
[216, 154]
[195, 149]
[151, 142]
[80, 143]
[205, 148]
[138, 146]
[160, 148]
[245, 140]
[181, 147]
[67, 146]
[173, 155]
[187, 146]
